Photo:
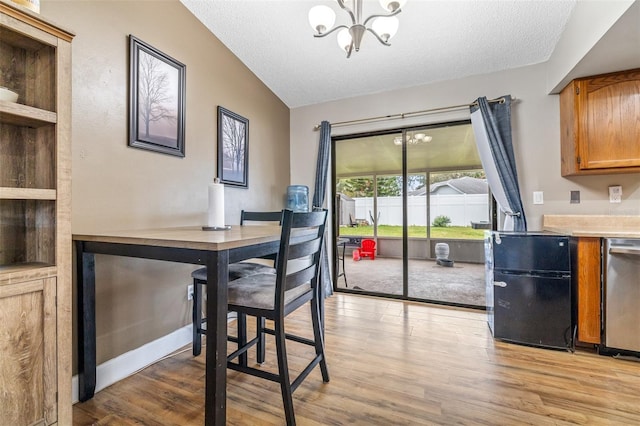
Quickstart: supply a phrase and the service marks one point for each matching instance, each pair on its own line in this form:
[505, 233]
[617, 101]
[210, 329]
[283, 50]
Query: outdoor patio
[464, 283]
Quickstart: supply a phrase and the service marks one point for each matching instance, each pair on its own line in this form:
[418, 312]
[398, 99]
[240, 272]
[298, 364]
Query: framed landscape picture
[156, 99]
[233, 148]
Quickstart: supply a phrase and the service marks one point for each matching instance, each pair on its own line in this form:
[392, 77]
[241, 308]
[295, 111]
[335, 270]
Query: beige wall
[117, 187]
[536, 137]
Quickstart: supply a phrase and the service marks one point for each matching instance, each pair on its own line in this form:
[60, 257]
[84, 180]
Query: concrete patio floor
[464, 283]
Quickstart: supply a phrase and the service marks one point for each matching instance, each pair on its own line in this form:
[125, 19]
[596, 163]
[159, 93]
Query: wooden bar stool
[236, 271]
[275, 296]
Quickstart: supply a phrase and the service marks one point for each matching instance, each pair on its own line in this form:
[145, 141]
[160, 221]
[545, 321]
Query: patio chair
[352, 222]
[368, 249]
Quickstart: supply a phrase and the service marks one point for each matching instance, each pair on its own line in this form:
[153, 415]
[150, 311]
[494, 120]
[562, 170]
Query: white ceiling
[437, 41]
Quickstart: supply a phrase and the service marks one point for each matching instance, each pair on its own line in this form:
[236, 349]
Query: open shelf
[27, 232]
[27, 194]
[24, 115]
[28, 162]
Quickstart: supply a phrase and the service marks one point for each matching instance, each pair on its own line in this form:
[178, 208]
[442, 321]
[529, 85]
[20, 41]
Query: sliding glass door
[412, 193]
[369, 215]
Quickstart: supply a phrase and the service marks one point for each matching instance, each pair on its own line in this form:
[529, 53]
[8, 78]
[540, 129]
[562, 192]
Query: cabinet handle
[499, 283]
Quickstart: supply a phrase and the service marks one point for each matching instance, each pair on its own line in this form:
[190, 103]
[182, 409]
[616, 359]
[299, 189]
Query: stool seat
[258, 291]
[237, 271]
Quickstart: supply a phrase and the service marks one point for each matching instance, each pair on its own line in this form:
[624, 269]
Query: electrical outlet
[615, 194]
[190, 292]
[538, 197]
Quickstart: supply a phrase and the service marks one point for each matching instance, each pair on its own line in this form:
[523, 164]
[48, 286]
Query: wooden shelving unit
[35, 220]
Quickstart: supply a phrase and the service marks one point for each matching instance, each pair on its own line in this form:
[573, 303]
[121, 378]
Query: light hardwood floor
[391, 363]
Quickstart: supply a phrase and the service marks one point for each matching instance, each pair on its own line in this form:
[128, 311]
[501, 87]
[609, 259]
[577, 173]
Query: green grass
[449, 232]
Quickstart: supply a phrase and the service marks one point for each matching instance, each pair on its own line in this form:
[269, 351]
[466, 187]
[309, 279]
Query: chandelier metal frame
[358, 28]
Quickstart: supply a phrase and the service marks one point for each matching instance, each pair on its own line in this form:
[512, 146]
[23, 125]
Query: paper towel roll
[215, 217]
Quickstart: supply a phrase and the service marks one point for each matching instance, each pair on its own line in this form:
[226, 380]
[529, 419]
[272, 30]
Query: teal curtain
[320, 191]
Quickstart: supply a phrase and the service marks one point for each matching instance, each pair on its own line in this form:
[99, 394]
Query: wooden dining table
[192, 245]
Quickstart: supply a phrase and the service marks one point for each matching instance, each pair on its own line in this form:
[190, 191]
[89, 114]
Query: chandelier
[416, 139]
[383, 26]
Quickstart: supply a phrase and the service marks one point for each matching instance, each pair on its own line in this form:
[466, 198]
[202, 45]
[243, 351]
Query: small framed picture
[233, 148]
[156, 100]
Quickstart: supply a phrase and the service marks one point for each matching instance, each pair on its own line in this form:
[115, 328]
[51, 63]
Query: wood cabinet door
[28, 380]
[588, 270]
[609, 111]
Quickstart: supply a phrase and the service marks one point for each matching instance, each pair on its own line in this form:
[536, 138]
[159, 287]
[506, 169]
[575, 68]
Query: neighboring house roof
[463, 185]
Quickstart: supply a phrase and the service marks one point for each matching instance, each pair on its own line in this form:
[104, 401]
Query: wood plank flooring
[391, 363]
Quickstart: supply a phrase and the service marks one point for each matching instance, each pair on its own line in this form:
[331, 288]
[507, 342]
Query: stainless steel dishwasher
[622, 295]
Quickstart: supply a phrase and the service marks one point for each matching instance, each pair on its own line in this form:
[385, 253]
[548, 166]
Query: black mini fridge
[530, 299]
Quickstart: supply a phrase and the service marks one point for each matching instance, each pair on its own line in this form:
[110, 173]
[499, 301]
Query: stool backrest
[275, 216]
[298, 260]
[261, 218]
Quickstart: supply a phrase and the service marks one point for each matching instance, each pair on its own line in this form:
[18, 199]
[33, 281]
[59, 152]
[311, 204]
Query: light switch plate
[575, 197]
[538, 197]
[615, 194]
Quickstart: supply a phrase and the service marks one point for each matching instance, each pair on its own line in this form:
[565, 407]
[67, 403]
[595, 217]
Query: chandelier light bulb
[344, 39]
[392, 5]
[386, 27]
[321, 18]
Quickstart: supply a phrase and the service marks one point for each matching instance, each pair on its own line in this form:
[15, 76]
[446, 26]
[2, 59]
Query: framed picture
[156, 99]
[233, 148]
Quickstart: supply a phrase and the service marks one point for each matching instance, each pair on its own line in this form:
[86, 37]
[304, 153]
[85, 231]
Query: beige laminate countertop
[603, 226]
[191, 237]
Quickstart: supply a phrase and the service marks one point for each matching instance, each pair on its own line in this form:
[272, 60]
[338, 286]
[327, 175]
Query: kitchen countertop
[601, 226]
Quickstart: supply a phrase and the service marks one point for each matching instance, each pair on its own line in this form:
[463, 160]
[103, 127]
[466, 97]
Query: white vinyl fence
[462, 209]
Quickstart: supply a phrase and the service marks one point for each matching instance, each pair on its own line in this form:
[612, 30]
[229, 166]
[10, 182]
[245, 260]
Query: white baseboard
[128, 363]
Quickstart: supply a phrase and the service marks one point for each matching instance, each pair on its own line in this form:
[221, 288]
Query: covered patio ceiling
[451, 147]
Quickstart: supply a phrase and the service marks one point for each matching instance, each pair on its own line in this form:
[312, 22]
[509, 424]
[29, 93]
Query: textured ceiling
[437, 41]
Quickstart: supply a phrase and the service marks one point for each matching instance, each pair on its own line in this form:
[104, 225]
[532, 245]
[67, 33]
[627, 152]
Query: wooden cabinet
[599, 124]
[35, 220]
[28, 347]
[586, 261]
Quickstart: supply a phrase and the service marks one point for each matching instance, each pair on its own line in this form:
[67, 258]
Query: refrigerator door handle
[499, 283]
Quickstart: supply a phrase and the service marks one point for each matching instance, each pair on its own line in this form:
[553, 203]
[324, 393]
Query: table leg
[216, 368]
[86, 322]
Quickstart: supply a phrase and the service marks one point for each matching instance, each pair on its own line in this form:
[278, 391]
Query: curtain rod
[409, 114]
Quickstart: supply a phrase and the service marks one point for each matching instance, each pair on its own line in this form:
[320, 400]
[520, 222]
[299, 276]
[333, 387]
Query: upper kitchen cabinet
[35, 220]
[600, 124]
